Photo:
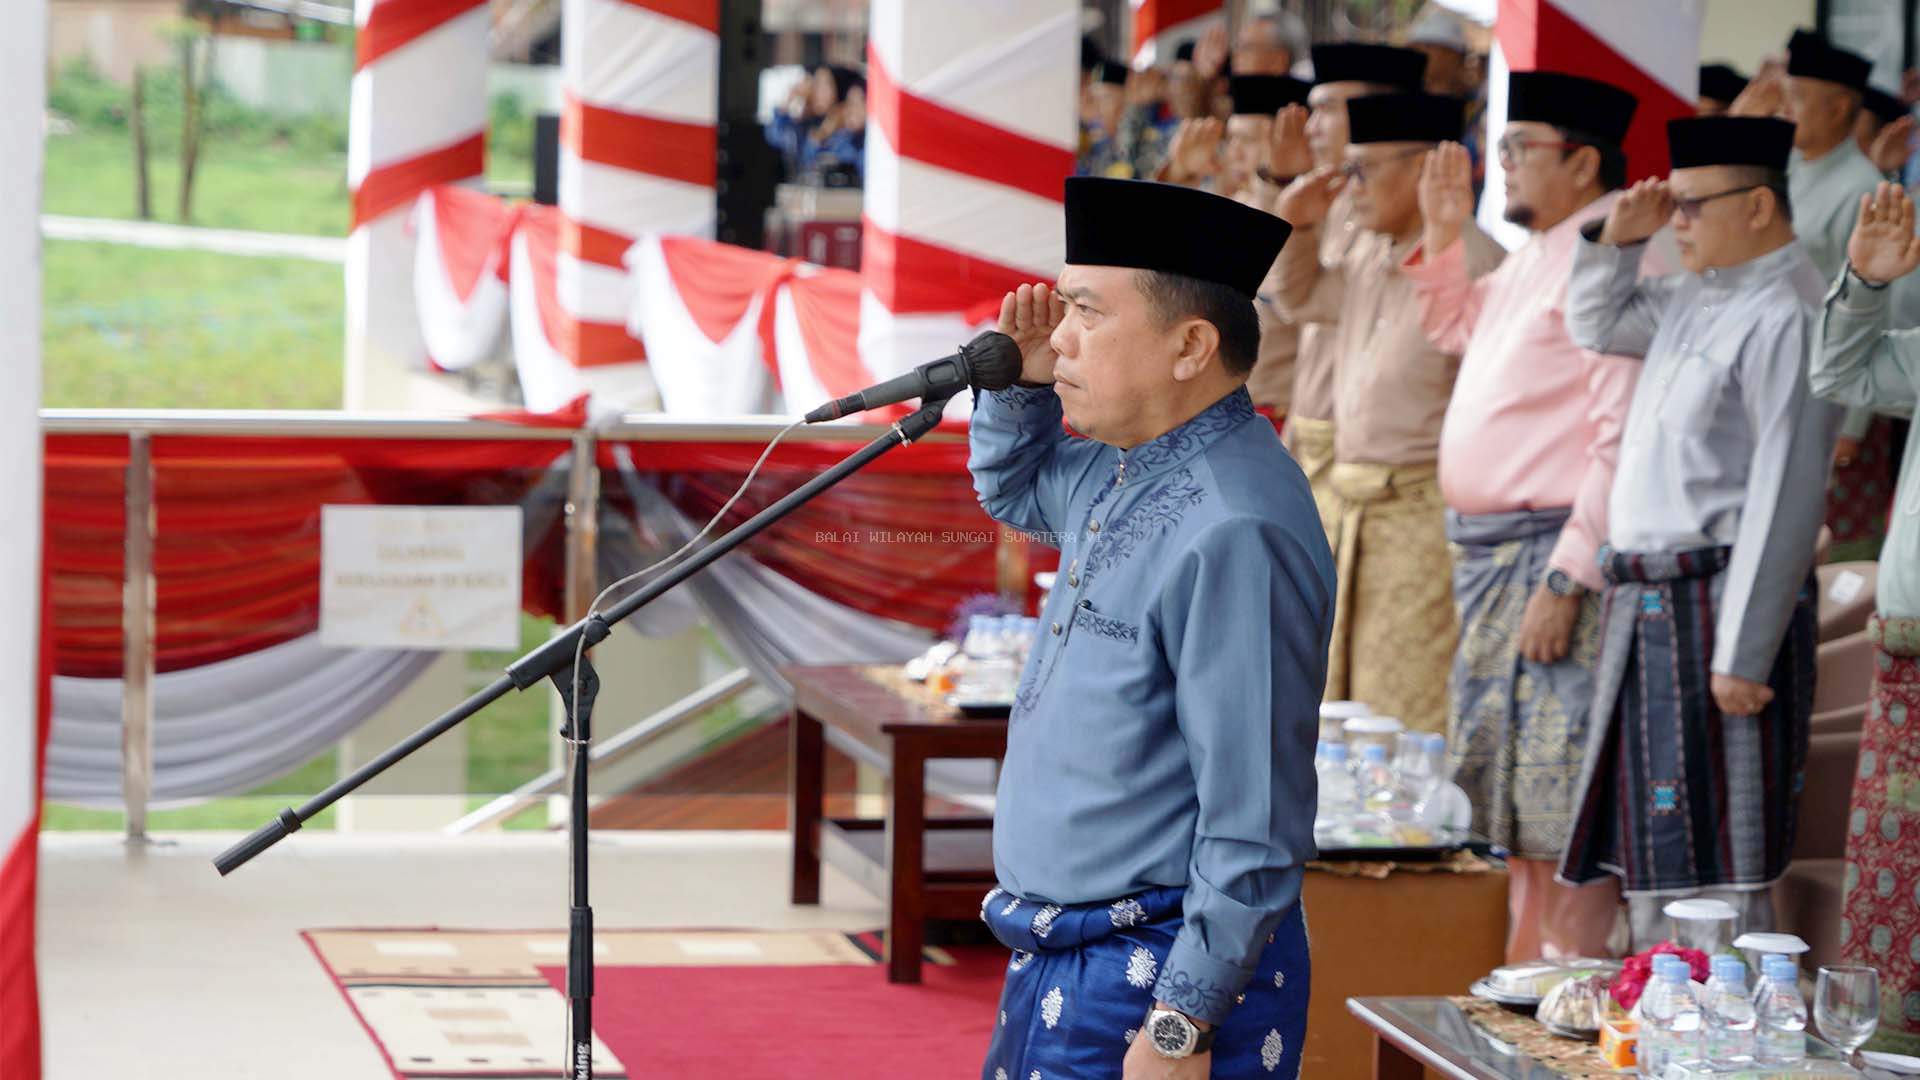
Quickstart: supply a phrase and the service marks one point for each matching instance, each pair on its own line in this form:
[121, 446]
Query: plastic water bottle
[1730, 1016]
[1670, 1019]
[1381, 792]
[1781, 1037]
[1338, 795]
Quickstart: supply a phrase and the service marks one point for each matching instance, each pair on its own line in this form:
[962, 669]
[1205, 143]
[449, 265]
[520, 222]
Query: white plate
[1893, 1063]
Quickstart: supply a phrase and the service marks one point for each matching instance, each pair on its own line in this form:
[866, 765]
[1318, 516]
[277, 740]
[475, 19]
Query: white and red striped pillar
[1161, 25]
[24, 671]
[637, 155]
[418, 118]
[1648, 47]
[970, 134]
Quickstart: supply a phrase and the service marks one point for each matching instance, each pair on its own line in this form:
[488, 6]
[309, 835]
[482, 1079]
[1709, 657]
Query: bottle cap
[1336, 751]
[1729, 969]
[1777, 967]
[1374, 752]
[1436, 741]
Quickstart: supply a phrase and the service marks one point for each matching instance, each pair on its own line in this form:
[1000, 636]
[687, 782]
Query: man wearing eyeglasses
[1822, 95]
[1394, 618]
[1305, 139]
[1526, 464]
[1704, 685]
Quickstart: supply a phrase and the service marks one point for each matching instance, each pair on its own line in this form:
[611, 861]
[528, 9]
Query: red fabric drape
[238, 549]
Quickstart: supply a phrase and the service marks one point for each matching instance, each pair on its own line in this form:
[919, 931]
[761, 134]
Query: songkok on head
[1698, 141]
[1354, 62]
[1111, 73]
[1375, 118]
[1183, 53]
[1811, 56]
[1721, 83]
[1171, 229]
[1884, 105]
[1090, 53]
[1589, 106]
[1264, 95]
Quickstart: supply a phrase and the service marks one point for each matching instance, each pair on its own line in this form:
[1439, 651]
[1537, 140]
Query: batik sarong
[1516, 730]
[1082, 978]
[1676, 796]
[1311, 444]
[1393, 622]
[1881, 924]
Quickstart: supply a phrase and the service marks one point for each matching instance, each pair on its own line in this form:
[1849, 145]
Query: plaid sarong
[1676, 796]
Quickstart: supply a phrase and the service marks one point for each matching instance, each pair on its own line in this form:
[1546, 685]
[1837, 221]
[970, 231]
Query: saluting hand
[1639, 213]
[1288, 153]
[1194, 153]
[1028, 315]
[1883, 246]
[1307, 200]
[1764, 94]
[1446, 196]
[1889, 150]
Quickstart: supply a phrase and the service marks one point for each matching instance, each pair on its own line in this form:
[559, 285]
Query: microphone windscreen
[993, 361]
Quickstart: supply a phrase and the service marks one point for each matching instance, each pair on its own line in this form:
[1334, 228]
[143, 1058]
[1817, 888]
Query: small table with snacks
[1466, 1038]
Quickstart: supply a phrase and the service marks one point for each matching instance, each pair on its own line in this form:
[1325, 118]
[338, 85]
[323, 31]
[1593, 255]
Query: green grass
[129, 327]
[266, 187]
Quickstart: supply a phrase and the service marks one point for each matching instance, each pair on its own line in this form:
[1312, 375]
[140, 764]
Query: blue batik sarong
[1081, 980]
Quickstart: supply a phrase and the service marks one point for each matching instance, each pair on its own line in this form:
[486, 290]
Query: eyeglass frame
[1692, 208]
[1509, 159]
[1355, 172]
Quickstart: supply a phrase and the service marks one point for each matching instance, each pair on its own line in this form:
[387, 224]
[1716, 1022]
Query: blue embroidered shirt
[1164, 728]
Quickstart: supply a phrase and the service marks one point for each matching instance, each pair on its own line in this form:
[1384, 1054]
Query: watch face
[1171, 1035]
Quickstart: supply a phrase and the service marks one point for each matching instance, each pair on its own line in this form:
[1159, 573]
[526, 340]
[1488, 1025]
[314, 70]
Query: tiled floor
[153, 967]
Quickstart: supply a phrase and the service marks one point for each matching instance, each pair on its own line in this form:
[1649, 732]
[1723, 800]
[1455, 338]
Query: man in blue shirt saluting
[1156, 806]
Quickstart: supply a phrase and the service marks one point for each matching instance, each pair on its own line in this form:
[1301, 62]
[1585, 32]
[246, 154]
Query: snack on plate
[1575, 1003]
[1528, 980]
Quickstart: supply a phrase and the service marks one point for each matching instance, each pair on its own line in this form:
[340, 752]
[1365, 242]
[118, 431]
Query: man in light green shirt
[1827, 174]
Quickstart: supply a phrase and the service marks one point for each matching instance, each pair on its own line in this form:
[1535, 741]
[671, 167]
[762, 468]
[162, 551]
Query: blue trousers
[1081, 981]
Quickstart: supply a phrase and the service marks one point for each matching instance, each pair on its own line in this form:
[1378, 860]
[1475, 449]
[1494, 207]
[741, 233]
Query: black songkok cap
[1884, 105]
[1811, 56]
[1112, 73]
[1183, 53]
[1697, 141]
[1588, 106]
[1374, 118]
[1264, 95]
[1354, 62]
[1171, 229]
[1091, 54]
[1718, 82]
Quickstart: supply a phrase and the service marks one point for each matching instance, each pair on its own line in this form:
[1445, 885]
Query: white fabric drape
[226, 727]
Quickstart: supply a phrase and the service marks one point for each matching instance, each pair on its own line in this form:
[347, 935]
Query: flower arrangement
[1638, 970]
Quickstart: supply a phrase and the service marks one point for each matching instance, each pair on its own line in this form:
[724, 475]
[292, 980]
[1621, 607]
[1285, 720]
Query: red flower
[1637, 970]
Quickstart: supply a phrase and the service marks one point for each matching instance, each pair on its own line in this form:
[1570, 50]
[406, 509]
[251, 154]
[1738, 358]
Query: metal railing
[582, 509]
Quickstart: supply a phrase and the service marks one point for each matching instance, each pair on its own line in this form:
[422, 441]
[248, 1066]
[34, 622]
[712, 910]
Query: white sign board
[420, 577]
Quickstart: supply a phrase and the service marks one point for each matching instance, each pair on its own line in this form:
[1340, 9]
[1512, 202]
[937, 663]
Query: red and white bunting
[460, 273]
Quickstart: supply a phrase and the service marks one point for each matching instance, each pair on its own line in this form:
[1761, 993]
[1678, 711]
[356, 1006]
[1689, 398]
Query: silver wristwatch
[1172, 1035]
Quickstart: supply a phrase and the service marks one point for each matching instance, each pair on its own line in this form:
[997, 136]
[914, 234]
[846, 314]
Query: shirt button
[1073, 579]
[1086, 605]
[1241, 1000]
[1093, 526]
[1056, 629]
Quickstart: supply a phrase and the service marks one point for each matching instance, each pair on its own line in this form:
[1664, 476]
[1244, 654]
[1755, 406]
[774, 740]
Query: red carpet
[798, 1023]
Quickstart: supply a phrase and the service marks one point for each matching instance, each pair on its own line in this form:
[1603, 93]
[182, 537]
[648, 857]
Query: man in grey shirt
[1705, 680]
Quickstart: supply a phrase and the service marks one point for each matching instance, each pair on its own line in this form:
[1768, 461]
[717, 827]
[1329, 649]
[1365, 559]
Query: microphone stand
[554, 660]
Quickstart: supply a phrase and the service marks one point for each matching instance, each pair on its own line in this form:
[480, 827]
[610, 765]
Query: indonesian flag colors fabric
[546, 336]
[417, 119]
[1159, 26]
[460, 273]
[24, 675]
[638, 154]
[1650, 48]
[970, 135]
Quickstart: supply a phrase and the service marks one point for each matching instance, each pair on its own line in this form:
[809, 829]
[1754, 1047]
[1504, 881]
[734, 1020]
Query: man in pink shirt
[1527, 452]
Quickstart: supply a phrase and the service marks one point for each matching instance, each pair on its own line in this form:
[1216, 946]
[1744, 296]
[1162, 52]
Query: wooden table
[926, 869]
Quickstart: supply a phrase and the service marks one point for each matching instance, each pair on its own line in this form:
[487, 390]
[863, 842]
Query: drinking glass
[1846, 1006]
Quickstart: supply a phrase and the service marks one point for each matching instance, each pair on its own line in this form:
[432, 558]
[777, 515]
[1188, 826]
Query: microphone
[990, 362]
